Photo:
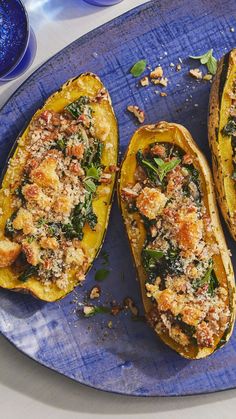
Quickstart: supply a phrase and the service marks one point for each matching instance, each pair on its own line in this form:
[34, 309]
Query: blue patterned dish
[124, 356]
[14, 34]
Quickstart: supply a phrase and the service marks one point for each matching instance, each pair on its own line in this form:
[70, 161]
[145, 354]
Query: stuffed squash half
[57, 190]
[222, 137]
[168, 206]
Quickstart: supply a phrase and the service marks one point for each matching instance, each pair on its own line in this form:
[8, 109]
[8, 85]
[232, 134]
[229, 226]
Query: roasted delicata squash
[57, 189]
[183, 264]
[222, 137]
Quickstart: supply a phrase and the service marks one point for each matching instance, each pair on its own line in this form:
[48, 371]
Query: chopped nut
[106, 178]
[144, 81]
[163, 94]
[115, 310]
[138, 113]
[196, 73]
[157, 72]
[95, 293]
[178, 67]
[109, 324]
[163, 81]
[112, 168]
[207, 77]
[129, 303]
[129, 193]
[88, 311]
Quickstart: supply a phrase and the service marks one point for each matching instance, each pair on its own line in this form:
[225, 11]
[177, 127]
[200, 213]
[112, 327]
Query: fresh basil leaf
[167, 167]
[138, 68]
[90, 185]
[150, 166]
[207, 59]
[159, 161]
[93, 172]
[212, 65]
[101, 274]
[204, 57]
[97, 310]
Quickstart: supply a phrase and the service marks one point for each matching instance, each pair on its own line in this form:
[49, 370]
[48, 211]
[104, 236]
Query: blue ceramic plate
[14, 34]
[128, 357]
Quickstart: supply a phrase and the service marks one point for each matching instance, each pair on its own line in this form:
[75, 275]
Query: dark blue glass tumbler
[17, 40]
[103, 2]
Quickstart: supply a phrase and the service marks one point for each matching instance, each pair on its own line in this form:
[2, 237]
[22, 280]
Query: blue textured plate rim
[119, 393]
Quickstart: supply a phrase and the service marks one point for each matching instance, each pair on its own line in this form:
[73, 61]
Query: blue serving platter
[126, 357]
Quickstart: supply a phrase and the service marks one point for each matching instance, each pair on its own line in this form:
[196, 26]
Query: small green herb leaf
[208, 59]
[164, 168]
[138, 68]
[96, 310]
[150, 166]
[212, 65]
[101, 274]
[61, 144]
[93, 172]
[89, 185]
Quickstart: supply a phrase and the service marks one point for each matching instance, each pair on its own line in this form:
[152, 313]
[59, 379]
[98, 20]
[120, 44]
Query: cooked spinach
[28, 273]
[93, 154]
[229, 128]
[78, 107]
[54, 229]
[83, 212]
[150, 258]
[9, 229]
[209, 278]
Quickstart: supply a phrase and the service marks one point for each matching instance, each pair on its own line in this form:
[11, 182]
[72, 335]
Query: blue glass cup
[103, 2]
[17, 40]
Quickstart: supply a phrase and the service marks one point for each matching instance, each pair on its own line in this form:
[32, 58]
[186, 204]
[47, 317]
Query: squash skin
[177, 134]
[85, 84]
[221, 146]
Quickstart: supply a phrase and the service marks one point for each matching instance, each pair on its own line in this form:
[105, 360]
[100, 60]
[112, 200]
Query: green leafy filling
[78, 107]
[229, 128]
[28, 273]
[209, 278]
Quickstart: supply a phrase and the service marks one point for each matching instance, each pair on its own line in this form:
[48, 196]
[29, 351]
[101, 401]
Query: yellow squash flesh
[86, 84]
[178, 135]
[221, 145]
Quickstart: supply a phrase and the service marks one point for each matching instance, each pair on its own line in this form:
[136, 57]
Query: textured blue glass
[103, 2]
[14, 34]
[128, 358]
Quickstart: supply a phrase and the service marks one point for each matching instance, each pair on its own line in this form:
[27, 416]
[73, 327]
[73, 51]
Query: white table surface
[27, 389]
